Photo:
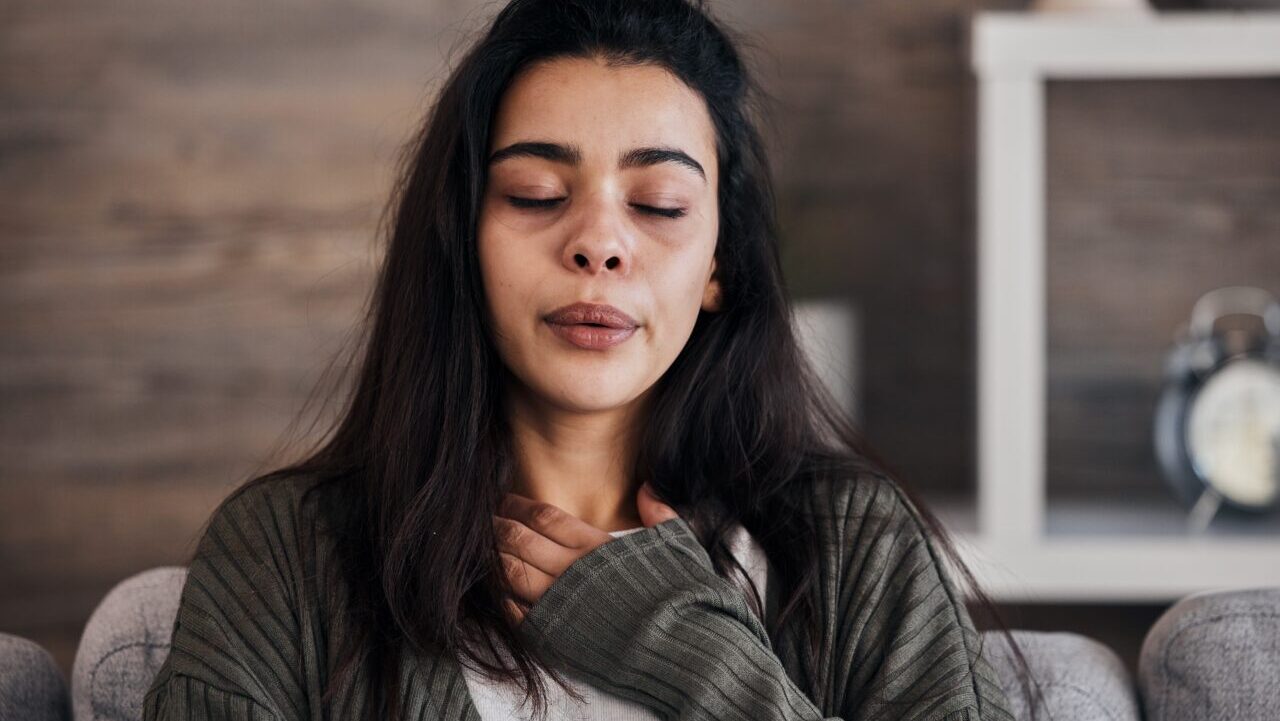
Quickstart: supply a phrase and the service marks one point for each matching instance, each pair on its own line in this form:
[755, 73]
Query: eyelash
[547, 203]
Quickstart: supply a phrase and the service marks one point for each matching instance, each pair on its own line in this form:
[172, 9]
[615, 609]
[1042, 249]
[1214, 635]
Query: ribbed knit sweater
[643, 616]
[504, 701]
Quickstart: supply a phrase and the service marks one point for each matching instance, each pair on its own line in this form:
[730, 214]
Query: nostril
[579, 259]
[611, 263]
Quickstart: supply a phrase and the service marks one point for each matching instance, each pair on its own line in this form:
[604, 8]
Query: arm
[236, 645]
[646, 617]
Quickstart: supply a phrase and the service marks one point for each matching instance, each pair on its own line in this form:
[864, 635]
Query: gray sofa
[1213, 656]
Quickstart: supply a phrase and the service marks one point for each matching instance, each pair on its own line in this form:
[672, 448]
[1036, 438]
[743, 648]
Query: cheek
[501, 271]
[679, 286]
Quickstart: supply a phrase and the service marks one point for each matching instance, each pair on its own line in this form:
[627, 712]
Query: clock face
[1233, 432]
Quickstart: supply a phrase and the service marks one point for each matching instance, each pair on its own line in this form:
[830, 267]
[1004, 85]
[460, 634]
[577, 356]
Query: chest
[495, 701]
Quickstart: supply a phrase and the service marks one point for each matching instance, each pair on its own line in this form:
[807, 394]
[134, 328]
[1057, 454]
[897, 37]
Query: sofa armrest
[1214, 656]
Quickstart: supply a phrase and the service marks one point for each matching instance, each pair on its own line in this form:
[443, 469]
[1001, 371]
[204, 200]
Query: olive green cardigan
[643, 616]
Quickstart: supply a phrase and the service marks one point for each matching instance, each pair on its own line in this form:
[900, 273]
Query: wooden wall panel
[1159, 190]
[190, 193]
[875, 165]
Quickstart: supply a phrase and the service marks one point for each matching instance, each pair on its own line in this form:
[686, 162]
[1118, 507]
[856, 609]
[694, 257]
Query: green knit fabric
[643, 616]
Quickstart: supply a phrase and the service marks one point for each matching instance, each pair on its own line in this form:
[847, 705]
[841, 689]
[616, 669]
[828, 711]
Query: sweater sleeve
[235, 653]
[646, 617]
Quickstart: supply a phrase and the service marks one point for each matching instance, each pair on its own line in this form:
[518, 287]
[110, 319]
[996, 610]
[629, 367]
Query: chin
[591, 402]
[586, 392]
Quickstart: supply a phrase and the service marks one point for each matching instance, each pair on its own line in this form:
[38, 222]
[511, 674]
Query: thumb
[652, 511]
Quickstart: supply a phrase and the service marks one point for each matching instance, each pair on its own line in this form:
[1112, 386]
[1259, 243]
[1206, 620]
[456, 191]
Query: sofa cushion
[1078, 677]
[123, 645]
[1214, 656]
[32, 686]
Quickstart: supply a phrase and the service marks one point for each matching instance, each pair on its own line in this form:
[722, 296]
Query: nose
[601, 241]
[584, 260]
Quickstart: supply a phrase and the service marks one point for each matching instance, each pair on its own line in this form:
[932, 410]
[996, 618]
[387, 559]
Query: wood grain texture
[1158, 191]
[190, 194]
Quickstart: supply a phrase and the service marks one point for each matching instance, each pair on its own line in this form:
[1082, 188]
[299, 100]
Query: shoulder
[253, 547]
[910, 626]
[238, 635]
[873, 533]
[845, 503]
[269, 496]
[246, 583]
[262, 513]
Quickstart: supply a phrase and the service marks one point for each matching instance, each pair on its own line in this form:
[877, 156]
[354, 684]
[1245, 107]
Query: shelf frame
[1014, 54]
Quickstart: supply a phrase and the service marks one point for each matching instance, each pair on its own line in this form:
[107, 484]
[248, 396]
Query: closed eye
[547, 203]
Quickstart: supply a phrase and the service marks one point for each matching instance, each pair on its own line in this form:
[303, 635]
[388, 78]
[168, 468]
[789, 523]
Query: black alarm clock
[1217, 423]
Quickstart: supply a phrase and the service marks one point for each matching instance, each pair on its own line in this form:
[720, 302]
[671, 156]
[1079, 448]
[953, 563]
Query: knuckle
[509, 563]
[506, 530]
[545, 515]
[515, 534]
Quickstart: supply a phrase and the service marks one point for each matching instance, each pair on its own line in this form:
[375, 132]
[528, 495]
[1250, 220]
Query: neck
[578, 461]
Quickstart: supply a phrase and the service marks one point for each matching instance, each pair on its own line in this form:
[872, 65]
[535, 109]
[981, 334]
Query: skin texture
[575, 412]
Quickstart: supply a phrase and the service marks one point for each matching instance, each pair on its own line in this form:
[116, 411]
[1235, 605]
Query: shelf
[1158, 44]
[1023, 543]
[1099, 552]
[1151, 519]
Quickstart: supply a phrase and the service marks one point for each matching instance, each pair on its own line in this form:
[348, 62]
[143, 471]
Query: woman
[582, 439]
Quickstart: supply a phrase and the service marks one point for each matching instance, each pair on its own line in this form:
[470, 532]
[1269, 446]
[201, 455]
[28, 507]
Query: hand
[538, 541]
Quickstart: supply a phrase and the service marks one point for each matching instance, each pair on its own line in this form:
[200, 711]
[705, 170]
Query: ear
[712, 293]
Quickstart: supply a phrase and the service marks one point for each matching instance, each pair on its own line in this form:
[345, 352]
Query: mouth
[591, 326]
[591, 314]
[591, 337]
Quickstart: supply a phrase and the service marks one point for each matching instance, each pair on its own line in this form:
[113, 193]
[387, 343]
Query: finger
[532, 547]
[515, 611]
[552, 521]
[527, 582]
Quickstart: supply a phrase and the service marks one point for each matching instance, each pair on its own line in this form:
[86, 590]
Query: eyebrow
[571, 155]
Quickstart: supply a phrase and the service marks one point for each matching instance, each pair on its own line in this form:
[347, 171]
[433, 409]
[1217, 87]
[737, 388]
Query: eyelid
[536, 203]
[548, 203]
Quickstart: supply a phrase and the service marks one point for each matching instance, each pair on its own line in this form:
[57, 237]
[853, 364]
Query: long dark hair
[740, 425]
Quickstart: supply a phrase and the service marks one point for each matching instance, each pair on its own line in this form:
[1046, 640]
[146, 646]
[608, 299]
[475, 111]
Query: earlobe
[711, 296]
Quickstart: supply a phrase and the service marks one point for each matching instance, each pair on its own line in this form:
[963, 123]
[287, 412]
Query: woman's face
[602, 190]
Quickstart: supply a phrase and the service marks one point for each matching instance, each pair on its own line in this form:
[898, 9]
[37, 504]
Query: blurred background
[188, 201]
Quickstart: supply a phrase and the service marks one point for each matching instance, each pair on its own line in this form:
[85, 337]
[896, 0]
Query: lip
[591, 326]
[593, 313]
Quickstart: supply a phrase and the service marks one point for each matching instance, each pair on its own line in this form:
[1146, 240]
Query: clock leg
[1202, 513]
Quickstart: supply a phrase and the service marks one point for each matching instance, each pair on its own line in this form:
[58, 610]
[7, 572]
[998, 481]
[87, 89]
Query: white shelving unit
[1021, 548]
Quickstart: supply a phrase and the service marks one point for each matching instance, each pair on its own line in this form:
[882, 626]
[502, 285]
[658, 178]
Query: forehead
[602, 109]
